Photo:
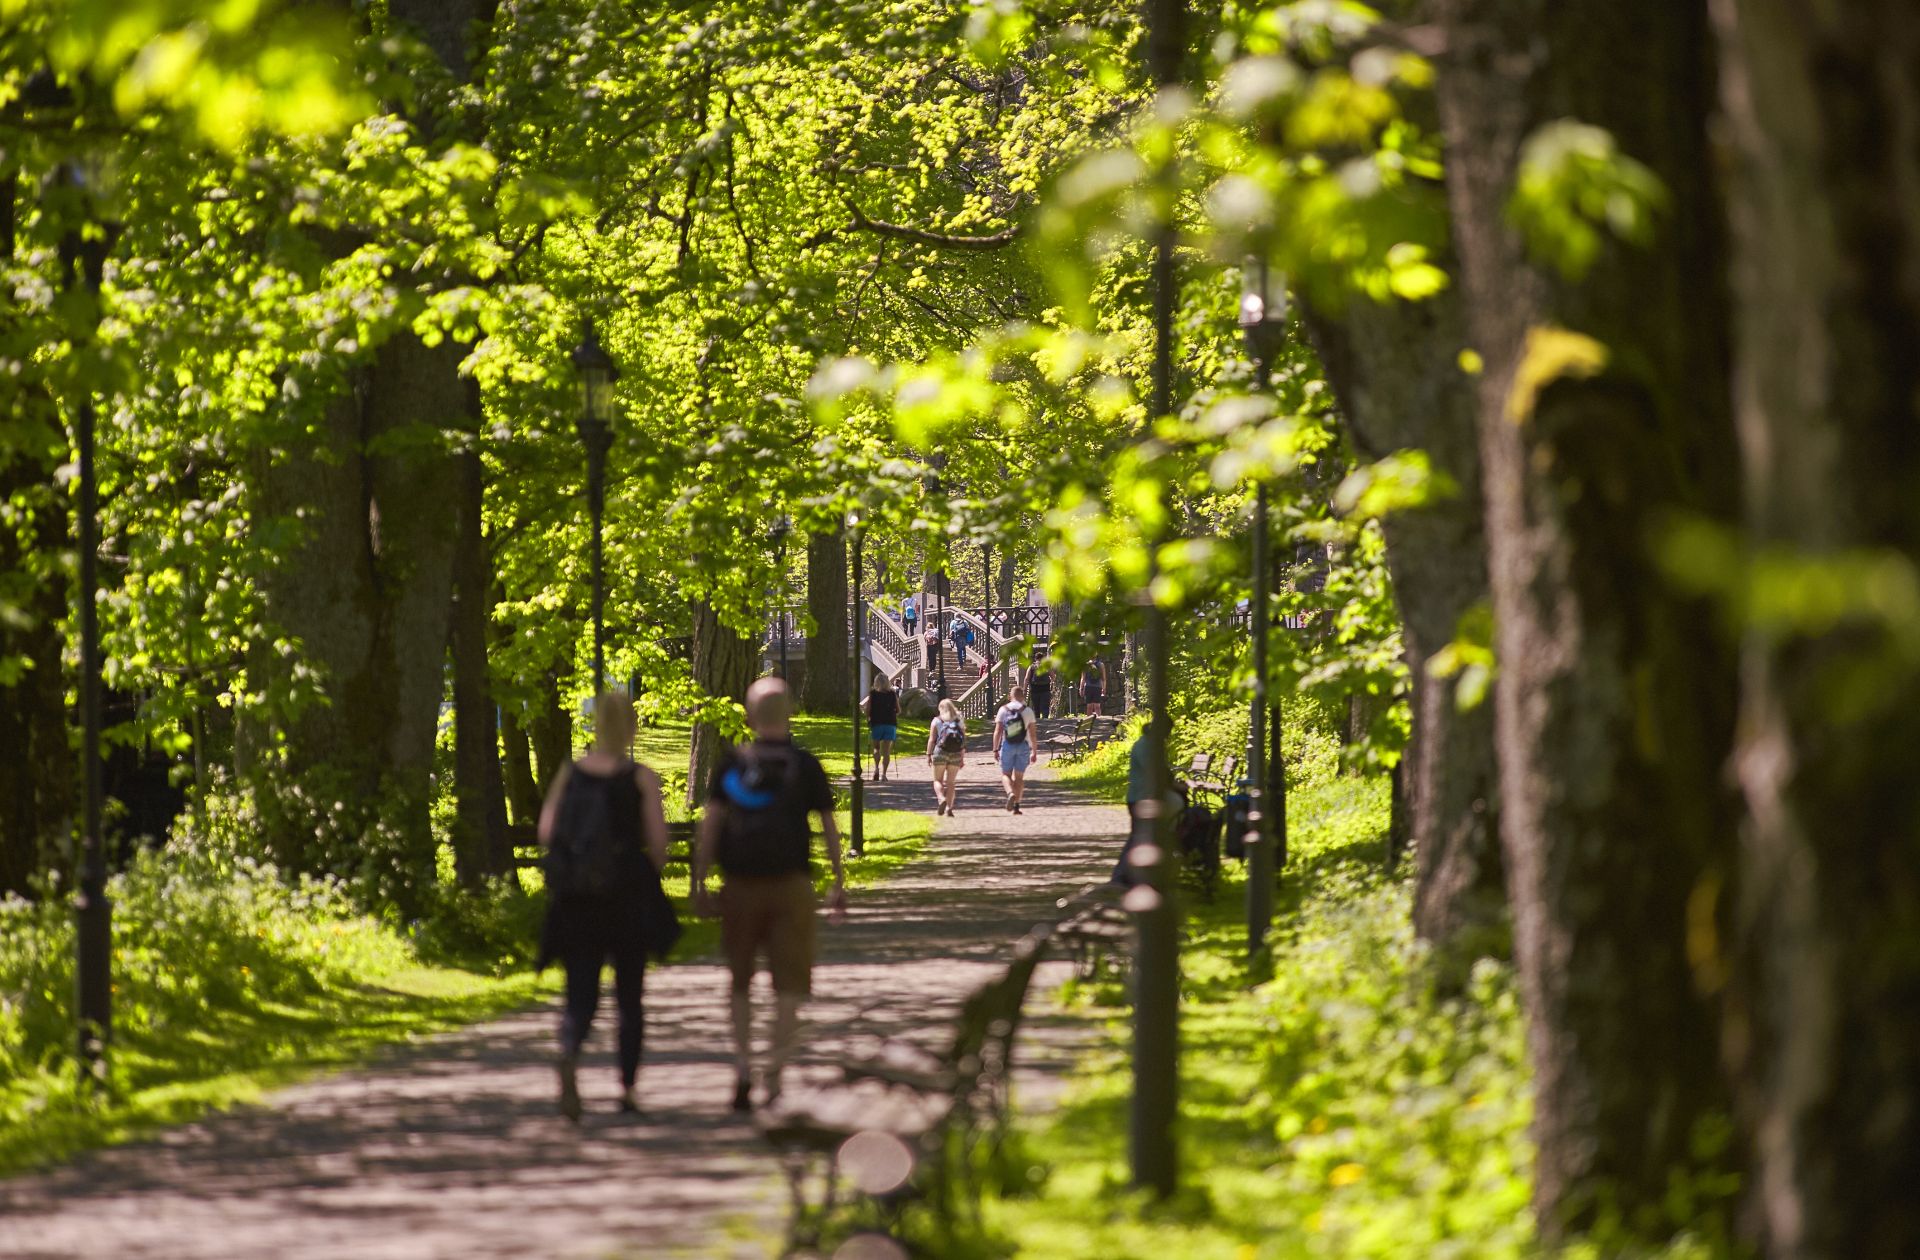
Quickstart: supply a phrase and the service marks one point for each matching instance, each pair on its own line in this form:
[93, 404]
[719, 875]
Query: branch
[920, 236]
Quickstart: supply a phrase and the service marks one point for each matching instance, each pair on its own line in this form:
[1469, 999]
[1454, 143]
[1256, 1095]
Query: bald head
[769, 707]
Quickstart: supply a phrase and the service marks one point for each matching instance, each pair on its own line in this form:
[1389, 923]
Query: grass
[227, 983]
[1332, 1103]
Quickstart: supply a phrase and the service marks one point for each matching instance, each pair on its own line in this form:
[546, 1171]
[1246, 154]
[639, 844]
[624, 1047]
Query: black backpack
[590, 856]
[1016, 726]
[953, 737]
[765, 830]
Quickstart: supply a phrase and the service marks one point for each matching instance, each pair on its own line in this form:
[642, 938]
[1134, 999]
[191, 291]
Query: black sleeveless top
[603, 925]
[883, 708]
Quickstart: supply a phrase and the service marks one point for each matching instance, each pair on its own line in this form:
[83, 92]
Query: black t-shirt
[769, 787]
[883, 708]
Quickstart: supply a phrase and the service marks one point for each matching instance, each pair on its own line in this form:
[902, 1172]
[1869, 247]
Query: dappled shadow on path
[452, 1147]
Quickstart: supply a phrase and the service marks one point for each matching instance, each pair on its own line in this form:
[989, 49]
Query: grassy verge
[227, 983]
[1332, 1104]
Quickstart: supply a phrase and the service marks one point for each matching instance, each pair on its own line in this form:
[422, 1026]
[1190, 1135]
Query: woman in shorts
[1093, 688]
[883, 717]
[946, 753]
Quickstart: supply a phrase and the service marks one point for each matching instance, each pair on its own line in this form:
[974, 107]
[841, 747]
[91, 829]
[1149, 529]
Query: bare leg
[1017, 785]
[741, 1009]
[786, 1030]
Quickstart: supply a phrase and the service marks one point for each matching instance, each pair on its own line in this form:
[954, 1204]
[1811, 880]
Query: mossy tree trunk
[1614, 702]
[1823, 107]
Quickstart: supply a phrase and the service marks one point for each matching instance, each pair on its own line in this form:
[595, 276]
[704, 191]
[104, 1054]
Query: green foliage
[1334, 1105]
[1576, 187]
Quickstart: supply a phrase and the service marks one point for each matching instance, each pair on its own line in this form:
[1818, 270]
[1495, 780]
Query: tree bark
[552, 732]
[1613, 709]
[367, 589]
[1823, 1029]
[828, 680]
[1395, 370]
[523, 792]
[480, 847]
[724, 662]
[37, 768]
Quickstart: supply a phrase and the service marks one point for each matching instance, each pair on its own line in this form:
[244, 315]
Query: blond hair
[950, 712]
[614, 723]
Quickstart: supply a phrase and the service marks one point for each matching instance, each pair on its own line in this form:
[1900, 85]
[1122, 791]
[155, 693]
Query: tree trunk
[828, 680]
[367, 590]
[523, 791]
[480, 847]
[37, 767]
[1395, 370]
[552, 732]
[1614, 702]
[724, 662]
[1003, 580]
[1823, 1029]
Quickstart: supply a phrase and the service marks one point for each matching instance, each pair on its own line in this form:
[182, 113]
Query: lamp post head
[597, 373]
[1263, 308]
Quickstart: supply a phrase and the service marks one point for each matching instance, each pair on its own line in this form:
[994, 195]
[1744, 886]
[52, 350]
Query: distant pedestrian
[1013, 735]
[1093, 687]
[1038, 680]
[883, 716]
[946, 753]
[909, 615]
[962, 639]
[755, 829]
[606, 840]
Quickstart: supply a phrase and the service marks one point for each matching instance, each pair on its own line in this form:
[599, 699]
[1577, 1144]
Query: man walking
[1013, 729]
[755, 829]
[962, 638]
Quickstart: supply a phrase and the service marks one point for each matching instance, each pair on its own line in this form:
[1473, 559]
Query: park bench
[931, 1110]
[527, 851]
[1094, 930]
[1218, 786]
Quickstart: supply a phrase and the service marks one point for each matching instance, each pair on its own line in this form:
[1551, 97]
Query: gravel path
[452, 1148]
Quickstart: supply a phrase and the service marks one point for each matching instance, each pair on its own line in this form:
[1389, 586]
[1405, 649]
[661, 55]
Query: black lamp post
[83, 258]
[782, 527]
[1153, 1145]
[857, 813]
[597, 375]
[1263, 323]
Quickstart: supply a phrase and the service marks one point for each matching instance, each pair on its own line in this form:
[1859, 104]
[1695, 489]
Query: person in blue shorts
[883, 717]
[1013, 728]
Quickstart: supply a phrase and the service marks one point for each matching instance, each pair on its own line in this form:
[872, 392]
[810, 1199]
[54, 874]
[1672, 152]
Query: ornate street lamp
[597, 374]
[857, 813]
[83, 258]
[1263, 323]
[782, 527]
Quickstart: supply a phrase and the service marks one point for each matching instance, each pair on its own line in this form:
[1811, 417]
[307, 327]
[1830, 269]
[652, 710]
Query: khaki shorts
[771, 915]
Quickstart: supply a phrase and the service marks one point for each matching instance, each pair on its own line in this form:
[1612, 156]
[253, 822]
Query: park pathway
[452, 1148]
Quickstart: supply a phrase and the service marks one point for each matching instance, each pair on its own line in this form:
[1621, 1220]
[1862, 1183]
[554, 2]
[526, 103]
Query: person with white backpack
[946, 753]
[1013, 735]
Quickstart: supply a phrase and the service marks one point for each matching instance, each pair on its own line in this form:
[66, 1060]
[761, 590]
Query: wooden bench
[527, 851]
[936, 1106]
[1218, 786]
[1094, 930]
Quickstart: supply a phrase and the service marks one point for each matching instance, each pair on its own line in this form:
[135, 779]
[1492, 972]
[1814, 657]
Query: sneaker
[743, 1094]
[1011, 807]
[1016, 808]
[629, 1105]
[570, 1087]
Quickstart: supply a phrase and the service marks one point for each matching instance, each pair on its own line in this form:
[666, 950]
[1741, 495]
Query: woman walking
[946, 753]
[606, 841]
[883, 717]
